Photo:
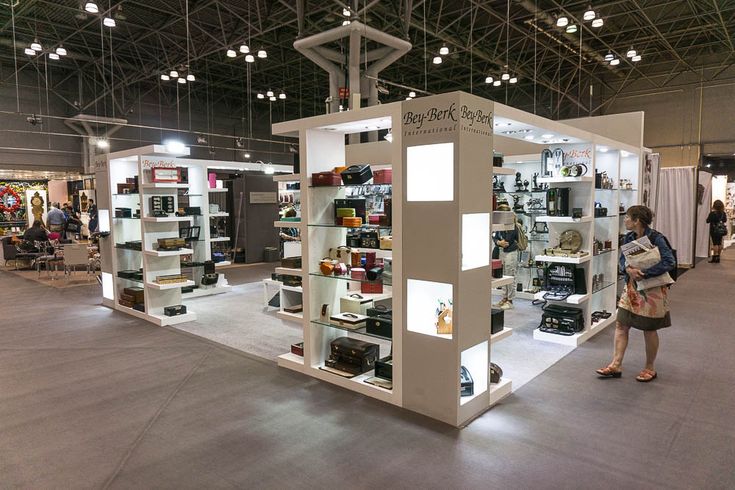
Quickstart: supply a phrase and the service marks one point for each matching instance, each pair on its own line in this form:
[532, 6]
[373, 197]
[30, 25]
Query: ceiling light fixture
[412, 94]
[505, 77]
[346, 12]
[91, 7]
[631, 52]
[615, 62]
[53, 56]
[61, 50]
[269, 93]
[636, 58]
[572, 28]
[589, 14]
[282, 96]
[231, 53]
[109, 22]
[346, 22]
[165, 77]
[173, 74]
[262, 53]
[36, 46]
[513, 80]
[609, 56]
[182, 81]
[249, 58]
[489, 80]
[103, 143]
[272, 99]
[29, 52]
[244, 49]
[246, 155]
[562, 21]
[444, 50]
[437, 60]
[174, 146]
[190, 78]
[261, 96]
[496, 83]
[597, 22]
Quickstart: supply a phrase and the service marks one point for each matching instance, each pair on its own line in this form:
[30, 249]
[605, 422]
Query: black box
[162, 203]
[369, 239]
[358, 203]
[497, 318]
[379, 310]
[356, 174]
[353, 240]
[174, 310]
[384, 368]
[352, 356]
[123, 213]
[466, 383]
[380, 325]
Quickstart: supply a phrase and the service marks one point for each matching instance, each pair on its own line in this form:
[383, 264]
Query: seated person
[36, 233]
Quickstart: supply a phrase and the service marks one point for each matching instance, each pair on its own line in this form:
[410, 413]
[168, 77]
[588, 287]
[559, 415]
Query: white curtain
[703, 209]
[675, 219]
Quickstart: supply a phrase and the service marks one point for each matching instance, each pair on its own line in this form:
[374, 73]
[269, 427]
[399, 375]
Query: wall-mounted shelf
[286, 271]
[287, 178]
[169, 253]
[287, 224]
[496, 283]
[565, 180]
[563, 219]
[563, 260]
[176, 285]
[168, 219]
[165, 185]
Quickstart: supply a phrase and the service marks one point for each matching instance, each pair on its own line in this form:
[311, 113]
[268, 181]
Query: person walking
[507, 243]
[717, 229]
[646, 310]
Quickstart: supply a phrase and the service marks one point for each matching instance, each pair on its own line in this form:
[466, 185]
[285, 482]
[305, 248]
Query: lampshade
[412, 94]
[282, 96]
[61, 51]
[109, 22]
[636, 58]
[249, 58]
[609, 56]
[631, 52]
[505, 77]
[261, 96]
[182, 81]
[36, 46]
[444, 50]
[615, 62]
[91, 7]
[190, 77]
[597, 22]
[231, 53]
[489, 80]
[513, 80]
[562, 21]
[173, 74]
[572, 28]
[496, 83]
[244, 49]
[165, 77]
[346, 12]
[272, 99]
[29, 51]
[589, 14]
[262, 53]
[53, 56]
[437, 60]
[269, 93]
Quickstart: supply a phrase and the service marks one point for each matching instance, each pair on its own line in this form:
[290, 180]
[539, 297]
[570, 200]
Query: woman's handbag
[720, 229]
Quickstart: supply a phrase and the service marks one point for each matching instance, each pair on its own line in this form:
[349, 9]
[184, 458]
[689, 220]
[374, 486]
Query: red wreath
[15, 207]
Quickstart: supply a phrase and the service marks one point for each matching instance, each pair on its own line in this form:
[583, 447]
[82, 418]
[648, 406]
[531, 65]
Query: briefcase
[356, 175]
[322, 179]
[381, 325]
[379, 310]
[561, 320]
[363, 354]
[497, 319]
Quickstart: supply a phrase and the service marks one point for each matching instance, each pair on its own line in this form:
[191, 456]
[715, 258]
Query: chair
[75, 255]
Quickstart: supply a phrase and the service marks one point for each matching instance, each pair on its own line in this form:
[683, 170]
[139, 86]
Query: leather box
[127, 188]
[383, 176]
[355, 303]
[294, 309]
[174, 310]
[291, 262]
[348, 320]
[136, 293]
[600, 212]
[379, 310]
[352, 222]
[371, 287]
[467, 385]
[374, 219]
[165, 174]
[497, 265]
[384, 368]
[352, 355]
[346, 213]
[298, 349]
[162, 203]
[369, 239]
[321, 179]
[123, 212]
[359, 204]
[374, 273]
[341, 254]
[497, 320]
[386, 242]
[356, 175]
[357, 273]
[353, 240]
[171, 243]
[139, 307]
[125, 302]
[380, 325]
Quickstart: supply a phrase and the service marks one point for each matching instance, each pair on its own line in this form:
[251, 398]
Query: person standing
[717, 229]
[507, 243]
[93, 216]
[55, 219]
[646, 310]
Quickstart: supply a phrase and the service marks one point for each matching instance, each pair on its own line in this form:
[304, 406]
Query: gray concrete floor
[91, 398]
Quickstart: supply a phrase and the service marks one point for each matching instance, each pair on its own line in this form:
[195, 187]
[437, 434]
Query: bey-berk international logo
[436, 120]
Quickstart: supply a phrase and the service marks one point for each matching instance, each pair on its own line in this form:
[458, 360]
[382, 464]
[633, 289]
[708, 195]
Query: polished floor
[91, 398]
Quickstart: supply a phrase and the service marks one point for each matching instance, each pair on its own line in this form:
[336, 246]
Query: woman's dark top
[510, 236]
[714, 218]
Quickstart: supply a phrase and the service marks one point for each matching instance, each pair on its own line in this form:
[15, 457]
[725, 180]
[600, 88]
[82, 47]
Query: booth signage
[446, 116]
[159, 163]
[263, 198]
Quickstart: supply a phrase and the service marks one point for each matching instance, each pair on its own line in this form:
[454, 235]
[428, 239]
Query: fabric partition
[675, 219]
[703, 209]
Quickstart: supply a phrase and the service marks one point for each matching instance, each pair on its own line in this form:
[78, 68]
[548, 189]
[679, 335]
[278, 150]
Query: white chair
[75, 255]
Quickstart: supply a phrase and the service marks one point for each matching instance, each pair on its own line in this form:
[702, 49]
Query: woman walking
[717, 229]
[646, 310]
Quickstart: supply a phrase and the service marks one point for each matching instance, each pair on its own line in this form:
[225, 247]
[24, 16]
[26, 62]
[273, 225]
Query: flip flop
[646, 376]
[608, 372]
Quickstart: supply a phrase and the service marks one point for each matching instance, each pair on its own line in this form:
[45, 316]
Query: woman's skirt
[644, 310]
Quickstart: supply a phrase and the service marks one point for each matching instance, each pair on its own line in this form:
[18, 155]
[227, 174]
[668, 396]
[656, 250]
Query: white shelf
[291, 361]
[287, 178]
[288, 271]
[290, 317]
[563, 260]
[504, 171]
[558, 180]
[379, 253]
[221, 189]
[164, 320]
[162, 287]
[223, 263]
[574, 299]
[356, 383]
[563, 219]
[499, 227]
[167, 219]
[294, 289]
[200, 292]
[219, 215]
[503, 334]
[169, 253]
[578, 338]
[496, 283]
[500, 390]
[220, 239]
[287, 224]
[165, 185]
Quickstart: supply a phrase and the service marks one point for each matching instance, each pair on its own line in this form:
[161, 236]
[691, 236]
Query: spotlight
[505, 77]
[615, 62]
[262, 53]
[103, 143]
[244, 49]
[636, 58]
[173, 74]
[269, 93]
[182, 81]
[29, 52]
[571, 28]
[61, 51]
[513, 80]
[91, 7]
[272, 99]
[496, 83]
[346, 22]
[231, 53]
[437, 60]
[631, 52]
[489, 80]
[589, 14]
[562, 21]
[597, 22]
[36, 46]
[444, 50]
[176, 147]
[261, 96]
[346, 12]
[282, 96]
[412, 94]
[165, 77]
[190, 77]
[249, 58]
[609, 56]
[109, 22]
[246, 155]
[53, 56]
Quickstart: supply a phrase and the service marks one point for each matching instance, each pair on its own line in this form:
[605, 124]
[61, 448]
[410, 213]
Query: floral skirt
[644, 310]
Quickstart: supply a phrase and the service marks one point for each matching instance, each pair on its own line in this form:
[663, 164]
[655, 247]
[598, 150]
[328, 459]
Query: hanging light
[615, 62]
[165, 77]
[346, 12]
[636, 58]
[444, 50]
[505, 77]
[261, 96]
[53, 56]
[91, 7]
[631, 52]
[437, 60]
[173, 74]
[244, 49]
[513, 80]
[489, 80]
[572, 28]
[102, 143]
[262, 53]
[109, 22]
[246, 155]
[409, 98]
[589, 14]
[29, 51]
[496, 83]
[268, 169]
[231, 53]
[36, 46]
[269, 93]
[597, 22]
[249, 58]
[412, 94]
[182, 80]
[282, 96]
[346, 22]
[61, 50]
[609, 56]
[562, 21]
[272, 98]
[190, 77]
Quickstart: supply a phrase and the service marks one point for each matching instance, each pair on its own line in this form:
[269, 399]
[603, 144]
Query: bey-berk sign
[447, 119]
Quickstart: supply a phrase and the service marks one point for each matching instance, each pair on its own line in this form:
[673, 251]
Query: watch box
[298, 349]
[321, 179]
[165, 174]
[384, 176]
[497, 320]
[174, 310]
[356, 174]
[355, 303]
[348, 320]
[380, 325]
[384, 368]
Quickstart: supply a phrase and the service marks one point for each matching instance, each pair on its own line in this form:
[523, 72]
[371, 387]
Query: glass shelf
[347, 186]
[604, 286]
[363, 226]
[123, 218]
[348, 278]
[360, 331]
[544, 240]
[128, 194]
[139, 281]
[603, 252]
[518, 192]
[191, 195]
[120, 247]
[531, 213]
[608, 216]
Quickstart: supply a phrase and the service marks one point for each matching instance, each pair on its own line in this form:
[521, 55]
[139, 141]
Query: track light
[165, 77]
[282, 96]
[261, 96]
[615, 62]
[61, 50]
[513, 80]
[244, 49]
[444, 50]
[505, 77]
[597, 22]
[36, 46]
[173, 74]
[53, 56]
[631, 52]
[91, 7]
[231, 53]
[589, 14]
[249, 58]
[562, 21]
[262, 53]
[190, 77]
[496, 83]
[437, 60]
[109, 22]
[182, 81]
[636, 58]
[246, 155]
[609, 56]
[571, 28]
[29, 52]
[489, 80]
[412, 94]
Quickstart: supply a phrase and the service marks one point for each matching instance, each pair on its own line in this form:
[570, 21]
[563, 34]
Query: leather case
[356, 175]
[291, 262]
[384, 368]
[346, 213]
[380, 325]
[355, 303]
[561, 320]
[348, 320]
[357, 273]
[321, 179]
[371, 287]
[298, 349]
[384, 176]
[174, 310]
[326, 266]
[386, 242]
[352, 222]
[359, 204]
[497, 320]
[352, 355]
[369, 239]
[342, 254]
[380, 310]
[497, 266]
